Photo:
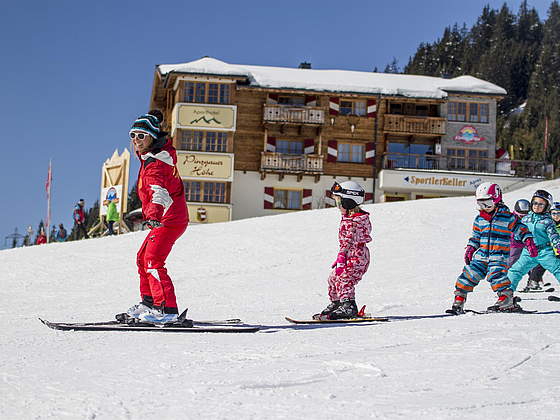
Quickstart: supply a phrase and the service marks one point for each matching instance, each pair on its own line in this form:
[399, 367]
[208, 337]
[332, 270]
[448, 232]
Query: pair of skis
[183, 325]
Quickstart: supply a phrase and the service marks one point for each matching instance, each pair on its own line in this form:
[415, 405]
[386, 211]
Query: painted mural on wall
[468, 135]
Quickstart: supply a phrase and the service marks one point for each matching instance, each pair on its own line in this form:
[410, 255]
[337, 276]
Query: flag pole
[48, 188]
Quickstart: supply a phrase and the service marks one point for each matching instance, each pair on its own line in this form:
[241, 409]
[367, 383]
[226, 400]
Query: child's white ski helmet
[351, 193]
[488, 190]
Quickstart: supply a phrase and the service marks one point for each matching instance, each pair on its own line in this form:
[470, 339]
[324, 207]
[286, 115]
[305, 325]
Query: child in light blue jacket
[546, 239]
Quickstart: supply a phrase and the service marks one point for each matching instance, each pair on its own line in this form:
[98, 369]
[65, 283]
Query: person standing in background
[79, 220]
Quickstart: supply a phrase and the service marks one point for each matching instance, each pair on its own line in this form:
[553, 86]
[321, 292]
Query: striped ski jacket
[492, 237]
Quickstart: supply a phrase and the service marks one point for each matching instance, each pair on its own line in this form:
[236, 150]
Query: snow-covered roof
[344, 81]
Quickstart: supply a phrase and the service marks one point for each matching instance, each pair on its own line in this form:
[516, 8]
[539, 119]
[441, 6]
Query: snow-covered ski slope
[502, 366]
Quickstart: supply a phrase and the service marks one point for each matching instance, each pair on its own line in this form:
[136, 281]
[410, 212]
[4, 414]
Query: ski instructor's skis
[84, 326]
[125, 323]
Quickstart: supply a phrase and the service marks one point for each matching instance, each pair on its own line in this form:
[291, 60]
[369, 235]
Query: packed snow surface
[502, 366]
[346, 81]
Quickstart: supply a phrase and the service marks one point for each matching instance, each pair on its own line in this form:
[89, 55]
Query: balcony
[294, 115]
[283, 163]
[414, 125]
[517, 168]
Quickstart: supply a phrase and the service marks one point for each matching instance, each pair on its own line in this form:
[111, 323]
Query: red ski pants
[155, 283]
[343, 287]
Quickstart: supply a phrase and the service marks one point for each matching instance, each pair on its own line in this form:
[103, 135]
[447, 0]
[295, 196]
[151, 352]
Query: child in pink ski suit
[353, 256]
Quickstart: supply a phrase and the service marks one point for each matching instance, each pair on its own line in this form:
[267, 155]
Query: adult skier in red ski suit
[165, 213]
[353, 256]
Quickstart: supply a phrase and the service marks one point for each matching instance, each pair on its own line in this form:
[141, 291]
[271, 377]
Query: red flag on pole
[546, 135]
[48, 188]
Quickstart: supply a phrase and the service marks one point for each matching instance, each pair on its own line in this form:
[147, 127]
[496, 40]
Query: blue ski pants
[495, 271]
[547, 258]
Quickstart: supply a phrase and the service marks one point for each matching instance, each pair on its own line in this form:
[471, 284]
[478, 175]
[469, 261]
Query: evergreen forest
[519, 51]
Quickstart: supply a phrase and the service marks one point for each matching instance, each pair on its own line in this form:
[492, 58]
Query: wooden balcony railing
[413, 125]
[294, 164]
[294, 115]
[517, 168]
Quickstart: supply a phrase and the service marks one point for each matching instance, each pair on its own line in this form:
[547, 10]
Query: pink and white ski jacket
[354, 232]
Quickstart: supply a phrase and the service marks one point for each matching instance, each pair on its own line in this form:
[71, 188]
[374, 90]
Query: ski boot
[505, 302]
[458, 306]
[136, 310]
[532, 285]
[333, 306]
[346, 310]
[157, 316]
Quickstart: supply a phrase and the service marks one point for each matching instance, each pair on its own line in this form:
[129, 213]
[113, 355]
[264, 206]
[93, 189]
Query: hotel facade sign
[203, 117]
[205, 166]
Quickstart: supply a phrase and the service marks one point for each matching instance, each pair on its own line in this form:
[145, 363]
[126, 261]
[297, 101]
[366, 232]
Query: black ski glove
[152, 224]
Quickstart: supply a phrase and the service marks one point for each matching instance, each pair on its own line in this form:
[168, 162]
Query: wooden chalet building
[256, 140]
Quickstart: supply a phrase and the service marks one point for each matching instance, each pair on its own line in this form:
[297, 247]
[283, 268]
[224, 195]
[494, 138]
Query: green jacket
[112, 213]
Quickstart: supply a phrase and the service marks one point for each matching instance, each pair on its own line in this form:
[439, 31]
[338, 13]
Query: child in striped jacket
[488, 249]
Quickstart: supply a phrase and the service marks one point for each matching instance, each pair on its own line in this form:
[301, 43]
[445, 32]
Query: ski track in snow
[503, 366]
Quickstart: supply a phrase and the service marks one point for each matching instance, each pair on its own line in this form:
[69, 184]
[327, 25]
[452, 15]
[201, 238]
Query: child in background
[488, 249]
[536, 274]
[521, 209]
[353, 256]
[546, 238]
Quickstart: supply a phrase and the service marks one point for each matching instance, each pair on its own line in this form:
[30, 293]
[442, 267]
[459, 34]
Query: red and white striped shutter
[371, 108]
[329, 201]
[271, 144]
[308, 146]
[332, 150]
[368, 199]
[311, 101]
[334, 106]
[370, 153]
[268, 197]
[307, 199]
[272, 99]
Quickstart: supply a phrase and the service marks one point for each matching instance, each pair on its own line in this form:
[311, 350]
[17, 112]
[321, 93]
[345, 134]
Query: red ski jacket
[159, 185]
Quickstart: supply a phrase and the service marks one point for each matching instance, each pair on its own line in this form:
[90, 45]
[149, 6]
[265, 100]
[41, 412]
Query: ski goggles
[139, 136]
[337, 189]
[535, 203]
[485, 203]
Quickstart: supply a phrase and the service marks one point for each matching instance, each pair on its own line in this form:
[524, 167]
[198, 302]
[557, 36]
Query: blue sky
[75, 74]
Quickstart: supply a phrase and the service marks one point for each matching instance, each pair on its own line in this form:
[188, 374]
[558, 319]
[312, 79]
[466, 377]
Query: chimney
[305, 65]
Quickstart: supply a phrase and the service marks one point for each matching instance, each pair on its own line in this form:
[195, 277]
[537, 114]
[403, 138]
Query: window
[192, 190]
[452, 111]
[413, 109]
[289, 146]
[353, 108]
[456, 158]
[461, 111]
[211, 93]
[395, 109]
[353, 153]
[422, 110]
[291, 100]
[215, 192]
[469, 159]
[483, 113]
[216, 141]
[192, 140]
[474, 112]
[287, 199]
[209, 141]
[207, 191]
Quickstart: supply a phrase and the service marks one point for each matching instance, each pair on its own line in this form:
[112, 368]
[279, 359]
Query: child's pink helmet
[488, 190]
